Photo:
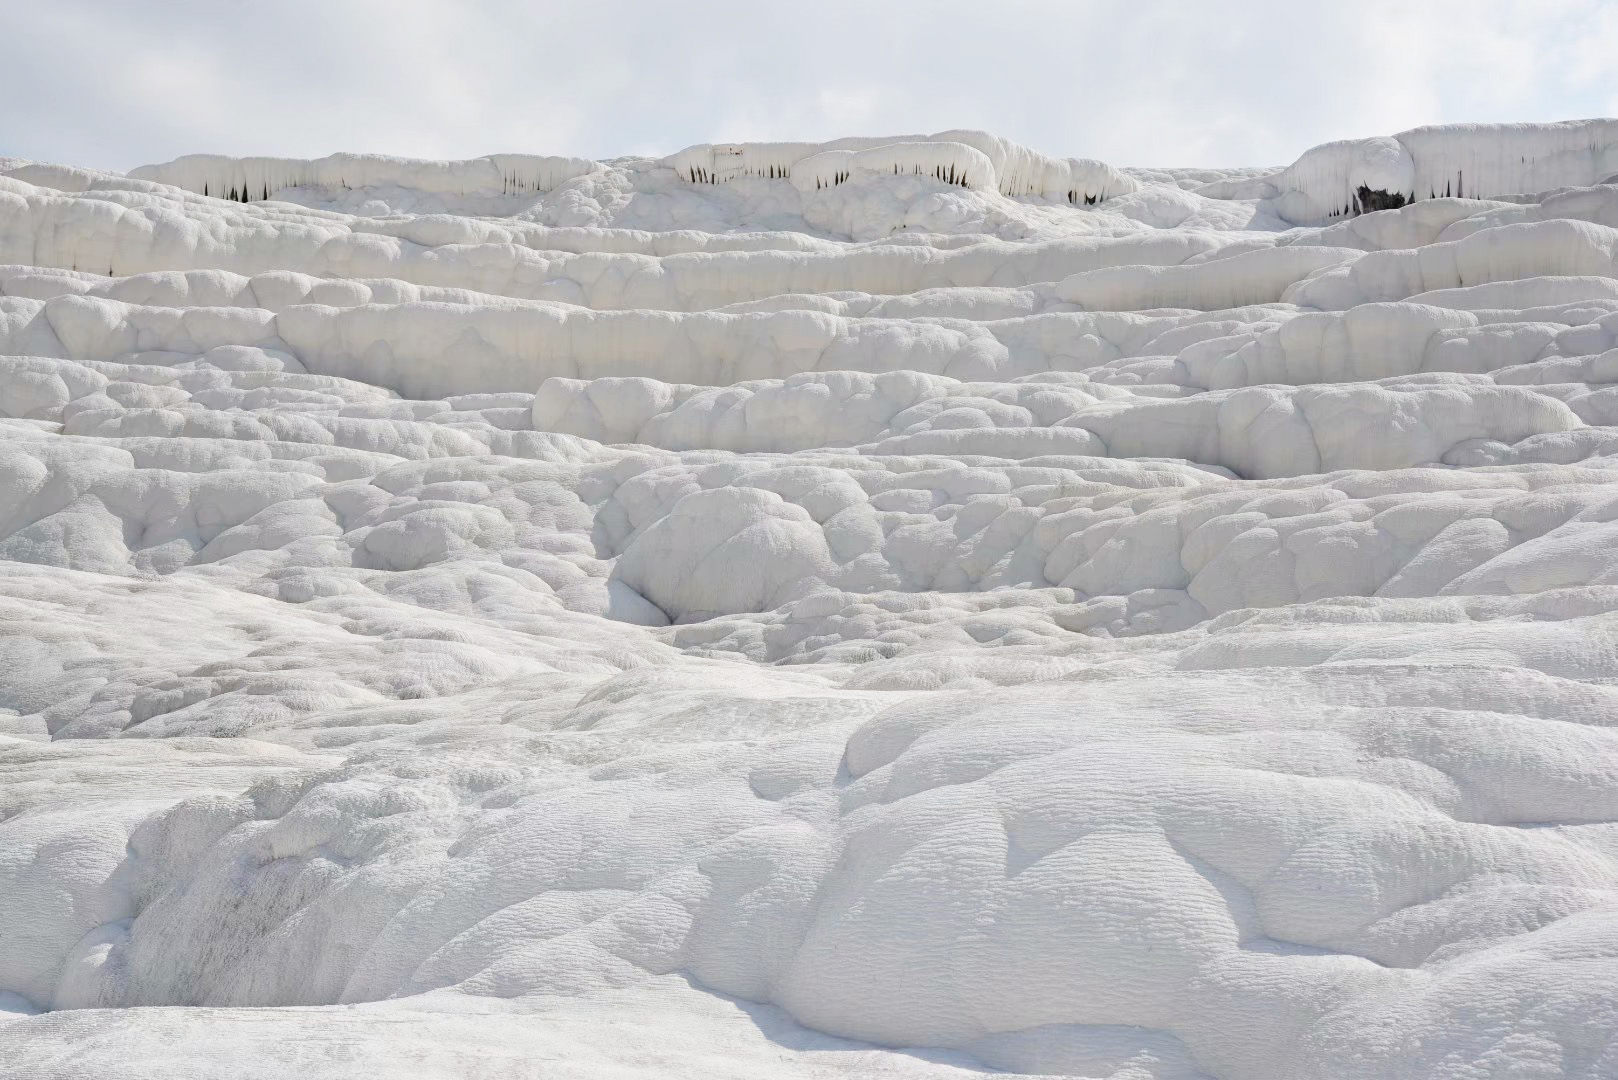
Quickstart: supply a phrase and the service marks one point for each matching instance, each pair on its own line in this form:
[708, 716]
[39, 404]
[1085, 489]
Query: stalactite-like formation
[257, 178]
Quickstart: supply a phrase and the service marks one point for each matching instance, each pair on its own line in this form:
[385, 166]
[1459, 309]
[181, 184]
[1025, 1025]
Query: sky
[112, 84]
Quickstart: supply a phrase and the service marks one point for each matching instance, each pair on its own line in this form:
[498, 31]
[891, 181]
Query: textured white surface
[892, 608]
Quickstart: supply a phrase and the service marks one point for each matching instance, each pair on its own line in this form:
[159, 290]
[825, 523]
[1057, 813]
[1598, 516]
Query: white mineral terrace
[905, 607]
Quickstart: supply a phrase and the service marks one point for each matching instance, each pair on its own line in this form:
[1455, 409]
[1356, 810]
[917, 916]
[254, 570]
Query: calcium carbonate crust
[898, 607]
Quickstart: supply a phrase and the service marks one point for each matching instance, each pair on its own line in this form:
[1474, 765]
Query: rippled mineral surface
[895, 608]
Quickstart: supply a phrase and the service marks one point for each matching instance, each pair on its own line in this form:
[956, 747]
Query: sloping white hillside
[901, 607]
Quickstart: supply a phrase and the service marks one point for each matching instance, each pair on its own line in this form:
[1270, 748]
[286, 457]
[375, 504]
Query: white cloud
[113, 84]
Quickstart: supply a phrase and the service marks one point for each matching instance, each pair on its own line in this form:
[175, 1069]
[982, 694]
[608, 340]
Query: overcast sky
[117, 83]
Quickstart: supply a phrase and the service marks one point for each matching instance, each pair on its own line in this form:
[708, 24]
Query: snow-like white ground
[908, 607]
